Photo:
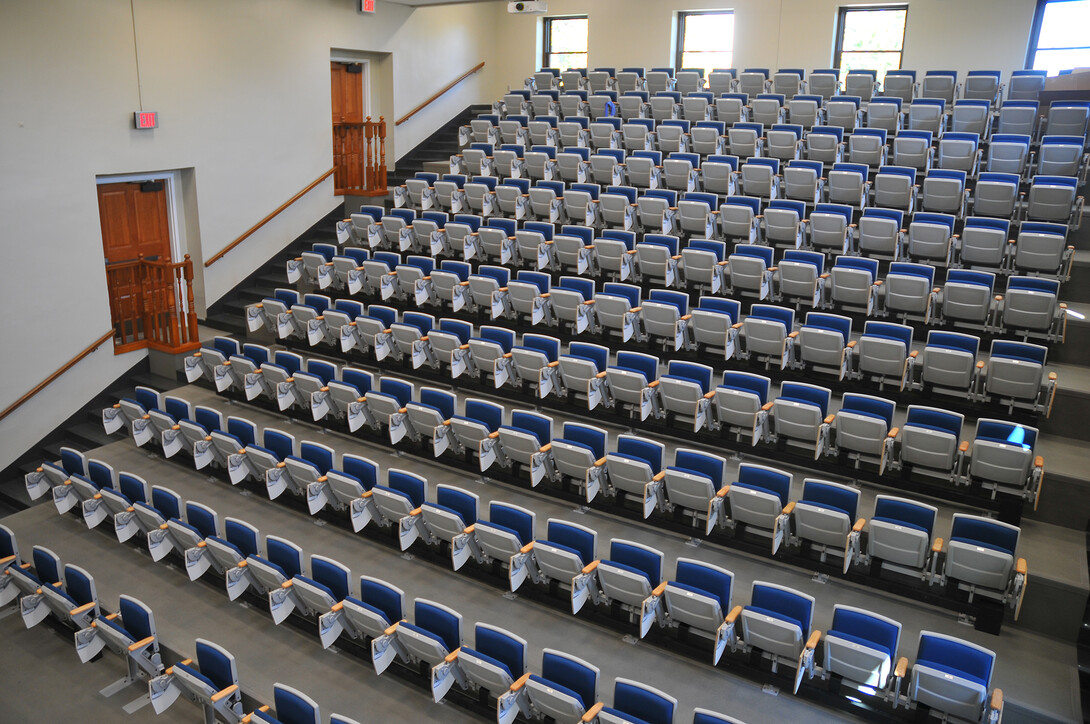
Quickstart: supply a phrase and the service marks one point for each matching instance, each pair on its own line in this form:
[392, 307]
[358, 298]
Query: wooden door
[348, 143]
[134, 221]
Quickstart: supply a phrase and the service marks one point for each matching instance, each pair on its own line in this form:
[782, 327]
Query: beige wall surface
[950, 34]
[243, 93]
[242, 88]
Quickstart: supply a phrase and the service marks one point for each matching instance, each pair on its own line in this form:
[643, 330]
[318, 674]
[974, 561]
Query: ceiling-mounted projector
[531, 6]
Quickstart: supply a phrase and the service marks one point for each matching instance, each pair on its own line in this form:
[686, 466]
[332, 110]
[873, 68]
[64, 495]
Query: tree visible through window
[870, 38]
[565, 43]
[705, 40]
[1062, 36]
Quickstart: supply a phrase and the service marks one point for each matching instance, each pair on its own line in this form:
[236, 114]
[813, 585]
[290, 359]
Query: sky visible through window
[872, 40]
[567, 43]
[1065, 37]
[708, 41]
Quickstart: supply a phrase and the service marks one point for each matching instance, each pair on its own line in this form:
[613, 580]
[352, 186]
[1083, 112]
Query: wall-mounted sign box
[146, 119]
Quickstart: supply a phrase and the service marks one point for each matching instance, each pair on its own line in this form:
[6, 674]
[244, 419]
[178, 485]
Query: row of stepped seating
[1038, 260]
[776, 622]
[637, 470]
[1039, 263]
[847, 113]
[619, 314]
[429, 419]
[1049, 212]
[823, 82]
[210, 681]
[983, 88]
[500, 147]
[192, 531]
[1047, 198]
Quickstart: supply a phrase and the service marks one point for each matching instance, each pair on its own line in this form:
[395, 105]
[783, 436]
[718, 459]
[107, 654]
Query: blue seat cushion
[557, 687]
[953, 670]
[484, 657]
[862, 642]
[624, 715]
[981, 544]
[777, 615]
[902, 523]
[630, 569]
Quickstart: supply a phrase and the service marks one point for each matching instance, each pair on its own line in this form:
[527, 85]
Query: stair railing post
[381, 185]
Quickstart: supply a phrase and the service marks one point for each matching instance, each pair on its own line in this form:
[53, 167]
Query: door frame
[346, 57]
[175, 218]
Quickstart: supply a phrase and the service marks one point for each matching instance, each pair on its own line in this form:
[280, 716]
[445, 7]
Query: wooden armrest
[914, 354]
[657, 591]
[859, 525]
[590, 566]
[851, 345]
[222, 693]
[936, 547]
[999, 297]
[653, 385]
[636, 309]
[789, 508]
[893, 432]
[902, 667]
[709, 395]
[792, 335]
[288, 583]
[734, 614]
[553, 364]
[767, 406]
[589, 301]
[829, 419]
[737, 325]
[997, 699]
[80, 609]
[546, 447]
[659, 476]
[1039, 462]
[527, 548]
[879, 282]
[493, 435]
[592, 713]
[1051, 376]
[963, 446]
[812, 642]
[980, 364]
[520, 682]
[164, 526]
[452, 655]
[1020, 566]
[599, 462]
[393, 627]
[141, 643]
[722, 492]
[414, 511]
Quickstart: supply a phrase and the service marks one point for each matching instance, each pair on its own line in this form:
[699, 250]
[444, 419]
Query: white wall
[242, 88]
[950, 34]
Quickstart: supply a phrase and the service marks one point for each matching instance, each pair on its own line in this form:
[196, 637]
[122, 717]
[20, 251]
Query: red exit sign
[367, 6]
[146, 119]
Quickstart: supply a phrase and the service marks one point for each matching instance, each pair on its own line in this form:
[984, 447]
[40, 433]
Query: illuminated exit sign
[367, 6]
[146, 119]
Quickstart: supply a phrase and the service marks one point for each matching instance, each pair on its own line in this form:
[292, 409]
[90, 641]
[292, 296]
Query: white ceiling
[418, 3]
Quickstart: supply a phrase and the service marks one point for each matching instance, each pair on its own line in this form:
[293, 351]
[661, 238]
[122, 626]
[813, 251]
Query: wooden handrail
[223, 252]
[448, 86]
[49, 380]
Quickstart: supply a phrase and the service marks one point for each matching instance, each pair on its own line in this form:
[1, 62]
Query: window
[705, 40]
[565, 43]
[1059, 39]
[870, 38]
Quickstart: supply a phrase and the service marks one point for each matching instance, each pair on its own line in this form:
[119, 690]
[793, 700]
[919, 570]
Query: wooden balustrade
[151, 304]
[359, 158]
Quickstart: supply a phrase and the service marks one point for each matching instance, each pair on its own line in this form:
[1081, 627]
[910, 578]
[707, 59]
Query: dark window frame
[546, 36]
[1035, 33]
[841, 21]
[682, 18]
